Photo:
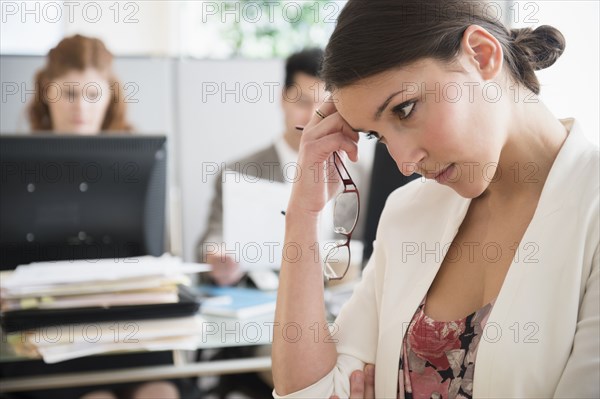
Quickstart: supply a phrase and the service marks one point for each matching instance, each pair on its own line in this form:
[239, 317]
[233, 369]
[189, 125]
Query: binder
[20, 320]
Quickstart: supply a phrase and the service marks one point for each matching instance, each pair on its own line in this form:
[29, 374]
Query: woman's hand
[318, 180]
[300, 294]
[362, 384]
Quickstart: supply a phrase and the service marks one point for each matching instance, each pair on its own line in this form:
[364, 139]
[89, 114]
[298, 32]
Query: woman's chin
[469, 191]
[84, 130]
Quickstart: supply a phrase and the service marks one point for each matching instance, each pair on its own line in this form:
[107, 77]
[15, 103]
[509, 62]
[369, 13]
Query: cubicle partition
[226, 110]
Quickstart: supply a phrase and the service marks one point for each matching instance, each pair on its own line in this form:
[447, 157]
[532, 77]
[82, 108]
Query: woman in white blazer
[503, 226]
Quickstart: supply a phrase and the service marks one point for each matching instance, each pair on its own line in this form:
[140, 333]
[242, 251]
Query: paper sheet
[60, 343]
[59, 354]
[92, 287]
[140, 297]
[123, 331]
[45, 274]
[253, 225]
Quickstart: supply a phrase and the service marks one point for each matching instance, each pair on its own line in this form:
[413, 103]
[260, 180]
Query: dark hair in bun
[375, 36]
[533, 50]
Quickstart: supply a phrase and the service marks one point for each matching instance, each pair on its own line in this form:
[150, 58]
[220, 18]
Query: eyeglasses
[345, 215]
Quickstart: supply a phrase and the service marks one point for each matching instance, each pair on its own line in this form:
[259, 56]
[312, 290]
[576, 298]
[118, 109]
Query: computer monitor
[66, 197]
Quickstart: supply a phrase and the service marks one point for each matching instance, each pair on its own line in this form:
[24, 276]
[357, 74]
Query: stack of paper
[89, 283]
[70, 309]
[65, 342]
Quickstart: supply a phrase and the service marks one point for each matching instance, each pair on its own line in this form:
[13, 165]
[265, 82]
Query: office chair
[385, 178]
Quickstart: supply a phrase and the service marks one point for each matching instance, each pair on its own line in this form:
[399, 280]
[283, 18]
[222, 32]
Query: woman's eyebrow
[380, 110]
[383, 106]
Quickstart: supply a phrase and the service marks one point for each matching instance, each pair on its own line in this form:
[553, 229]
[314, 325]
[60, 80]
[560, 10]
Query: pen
[300, 129]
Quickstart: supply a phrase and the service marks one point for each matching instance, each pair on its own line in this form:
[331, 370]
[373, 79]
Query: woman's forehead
[421, 71]
[85, 75]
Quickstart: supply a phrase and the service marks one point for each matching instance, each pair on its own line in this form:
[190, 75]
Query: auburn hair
[77, 53]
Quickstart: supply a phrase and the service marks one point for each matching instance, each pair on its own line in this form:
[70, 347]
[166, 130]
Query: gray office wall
[146, 83]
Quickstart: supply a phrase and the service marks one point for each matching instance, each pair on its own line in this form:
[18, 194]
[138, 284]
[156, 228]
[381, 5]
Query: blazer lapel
[400, 302]
[489, 380]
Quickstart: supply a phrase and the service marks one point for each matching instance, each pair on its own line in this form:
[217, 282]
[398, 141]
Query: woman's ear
[483, 51]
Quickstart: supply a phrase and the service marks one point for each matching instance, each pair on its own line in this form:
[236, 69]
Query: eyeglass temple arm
[349, 185]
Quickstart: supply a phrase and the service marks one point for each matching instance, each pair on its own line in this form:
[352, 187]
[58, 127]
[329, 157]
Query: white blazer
[542, 338]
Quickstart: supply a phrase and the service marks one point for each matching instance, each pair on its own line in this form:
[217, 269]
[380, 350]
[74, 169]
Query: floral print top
[438, 357]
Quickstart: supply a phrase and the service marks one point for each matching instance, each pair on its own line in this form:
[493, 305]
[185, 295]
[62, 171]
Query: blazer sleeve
[355, 332]
[580, 377]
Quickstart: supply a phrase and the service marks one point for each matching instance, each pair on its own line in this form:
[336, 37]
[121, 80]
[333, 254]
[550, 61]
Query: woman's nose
[408, 155]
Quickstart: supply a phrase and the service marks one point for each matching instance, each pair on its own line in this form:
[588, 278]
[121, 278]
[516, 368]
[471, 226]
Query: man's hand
[362, 384]
[225, 270]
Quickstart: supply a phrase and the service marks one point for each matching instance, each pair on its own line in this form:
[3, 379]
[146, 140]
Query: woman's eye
[404, 110]
[373, 135]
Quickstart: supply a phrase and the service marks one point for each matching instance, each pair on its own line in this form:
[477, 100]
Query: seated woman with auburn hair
[77, 92]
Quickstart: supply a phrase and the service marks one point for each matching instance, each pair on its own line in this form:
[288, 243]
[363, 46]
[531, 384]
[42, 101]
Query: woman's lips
[444, 175]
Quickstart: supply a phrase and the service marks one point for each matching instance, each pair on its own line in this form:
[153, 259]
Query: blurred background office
[202, 72]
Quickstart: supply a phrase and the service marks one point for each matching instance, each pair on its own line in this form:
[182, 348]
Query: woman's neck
[533, 141]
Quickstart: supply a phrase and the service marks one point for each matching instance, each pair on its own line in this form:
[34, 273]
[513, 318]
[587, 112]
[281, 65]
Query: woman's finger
[333, 123]
[322, 149]
[369, 381]
[327, 107]
[324, 110]
[357, 385]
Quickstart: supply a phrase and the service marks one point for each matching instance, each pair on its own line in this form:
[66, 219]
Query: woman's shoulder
[591, 168]
[578, 167]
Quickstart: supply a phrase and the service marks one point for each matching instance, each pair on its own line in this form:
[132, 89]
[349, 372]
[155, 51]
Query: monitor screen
[68, 197]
